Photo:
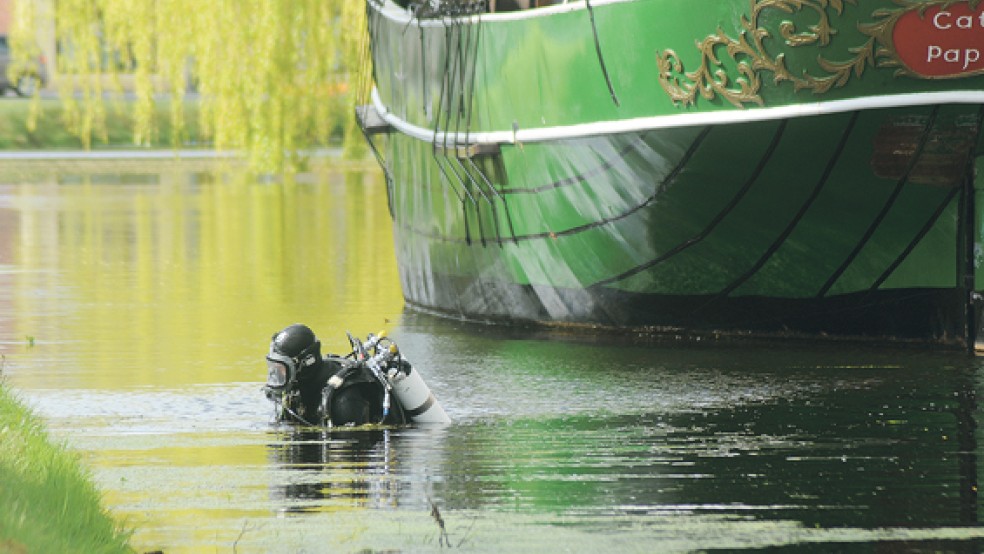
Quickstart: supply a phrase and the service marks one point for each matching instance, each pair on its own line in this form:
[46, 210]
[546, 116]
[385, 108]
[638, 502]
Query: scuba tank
[419, 403]
[409, 388]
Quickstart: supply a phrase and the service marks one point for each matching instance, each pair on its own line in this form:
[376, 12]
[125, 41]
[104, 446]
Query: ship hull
[841, 212]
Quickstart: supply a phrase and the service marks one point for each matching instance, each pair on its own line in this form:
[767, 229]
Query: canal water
[137, 301]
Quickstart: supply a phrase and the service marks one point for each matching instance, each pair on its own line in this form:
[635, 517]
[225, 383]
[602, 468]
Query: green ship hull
[750, 168]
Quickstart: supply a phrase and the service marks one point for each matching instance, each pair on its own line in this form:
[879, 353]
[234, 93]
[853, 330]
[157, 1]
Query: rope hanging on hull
[601, 57]
[469, 180]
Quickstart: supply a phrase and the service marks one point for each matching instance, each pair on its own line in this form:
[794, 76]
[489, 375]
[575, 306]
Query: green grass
[52, 133]
[48, 502]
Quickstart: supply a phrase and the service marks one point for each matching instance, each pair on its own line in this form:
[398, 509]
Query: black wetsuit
[358, 401]
[311, 381]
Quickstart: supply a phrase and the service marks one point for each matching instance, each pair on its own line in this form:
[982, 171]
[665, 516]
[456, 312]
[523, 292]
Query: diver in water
[313, 390]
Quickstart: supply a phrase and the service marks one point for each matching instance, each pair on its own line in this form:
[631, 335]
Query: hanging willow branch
[271, 75]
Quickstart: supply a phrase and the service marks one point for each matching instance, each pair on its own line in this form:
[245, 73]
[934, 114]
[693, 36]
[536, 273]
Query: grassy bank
[51, 132]
[47, 500]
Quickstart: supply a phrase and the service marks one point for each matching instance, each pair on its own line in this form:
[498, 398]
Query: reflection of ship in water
[322, 470]
[883, 447]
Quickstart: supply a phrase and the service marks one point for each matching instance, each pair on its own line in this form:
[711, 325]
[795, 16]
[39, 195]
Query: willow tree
[271, 76]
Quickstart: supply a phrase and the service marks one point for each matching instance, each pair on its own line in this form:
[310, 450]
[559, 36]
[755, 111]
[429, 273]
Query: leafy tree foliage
[271, 76]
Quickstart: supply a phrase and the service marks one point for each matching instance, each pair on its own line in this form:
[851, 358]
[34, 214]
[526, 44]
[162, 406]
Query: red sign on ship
[942, 41]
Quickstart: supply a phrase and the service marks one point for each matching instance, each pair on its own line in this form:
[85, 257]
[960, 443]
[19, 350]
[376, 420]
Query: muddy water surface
[137, 302]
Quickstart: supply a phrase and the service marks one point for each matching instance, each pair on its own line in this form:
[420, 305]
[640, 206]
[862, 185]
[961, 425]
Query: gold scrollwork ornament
[751, 59]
